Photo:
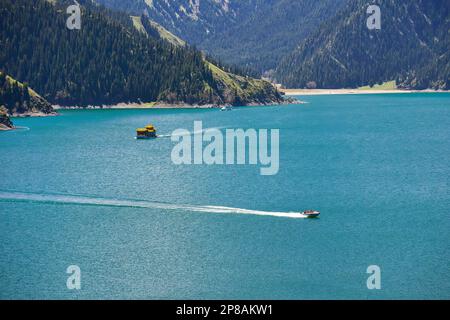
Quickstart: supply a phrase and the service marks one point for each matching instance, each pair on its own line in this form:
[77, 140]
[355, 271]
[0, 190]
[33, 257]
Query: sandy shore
[313, 92]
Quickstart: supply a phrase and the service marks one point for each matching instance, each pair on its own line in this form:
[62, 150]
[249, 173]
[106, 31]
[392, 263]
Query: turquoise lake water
[78, 189]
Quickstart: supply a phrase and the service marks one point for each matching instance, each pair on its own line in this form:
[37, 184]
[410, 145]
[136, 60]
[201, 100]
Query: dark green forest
[109, 61]
[325, 44]
[412, 48]
[252, 34]
[106, 62]
[273, 29]
[12, 95]
[103, 63]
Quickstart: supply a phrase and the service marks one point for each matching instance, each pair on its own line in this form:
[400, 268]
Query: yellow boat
[149, 132]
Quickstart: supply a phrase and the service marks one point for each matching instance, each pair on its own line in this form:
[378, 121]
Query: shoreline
[162, 106]
[316, 92]
[120, 106]
[147, 106]
[33, 115]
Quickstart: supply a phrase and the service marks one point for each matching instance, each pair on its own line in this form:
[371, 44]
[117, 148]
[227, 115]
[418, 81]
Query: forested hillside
[254, 34]
[107, 61]
[18, 98]
[412, 48]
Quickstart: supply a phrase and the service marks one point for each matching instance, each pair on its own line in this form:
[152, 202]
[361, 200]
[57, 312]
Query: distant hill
[411, 48]
[109, 61]
[253, 34]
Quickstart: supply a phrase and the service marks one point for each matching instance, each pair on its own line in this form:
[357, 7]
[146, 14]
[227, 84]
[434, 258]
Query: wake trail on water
[95, 201]
[22, 128]
[18, 129]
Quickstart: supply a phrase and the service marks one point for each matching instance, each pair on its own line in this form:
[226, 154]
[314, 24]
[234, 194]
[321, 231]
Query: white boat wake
[18, 129]
[95, 201]
[22, 128]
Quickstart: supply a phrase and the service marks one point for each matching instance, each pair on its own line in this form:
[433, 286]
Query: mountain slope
[250, 33]
[17, 98]
[105, 62]
[151, 29]
[412, 48]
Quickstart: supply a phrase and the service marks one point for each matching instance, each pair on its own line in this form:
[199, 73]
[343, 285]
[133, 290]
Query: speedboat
[311, 213]
[226, 108]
